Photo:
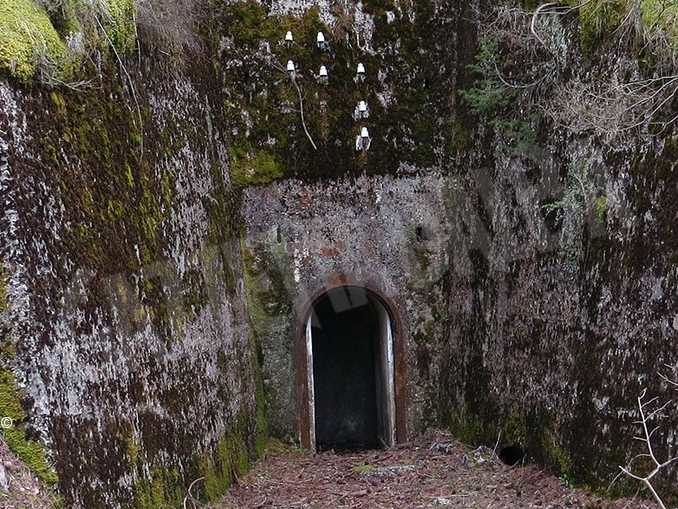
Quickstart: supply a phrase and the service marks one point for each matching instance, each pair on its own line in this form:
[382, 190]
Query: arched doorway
[350, 371]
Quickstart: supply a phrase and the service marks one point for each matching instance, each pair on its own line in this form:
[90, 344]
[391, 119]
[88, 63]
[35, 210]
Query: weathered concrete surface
[556, 307]
[542, 326]
[124, 290]
[385, 232]
[123, 248]
[558, 324]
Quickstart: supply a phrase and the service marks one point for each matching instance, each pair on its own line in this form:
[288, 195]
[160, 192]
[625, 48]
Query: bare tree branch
[658, 465]
[533, 24]
[605, 106]
[189, 497]
[278, 67]
[301, 112]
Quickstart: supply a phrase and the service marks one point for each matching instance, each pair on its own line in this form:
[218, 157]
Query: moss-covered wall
[562, 279]
[401, 88]
[550, 344]
[148, 314]
[548, 320]
[128, 362]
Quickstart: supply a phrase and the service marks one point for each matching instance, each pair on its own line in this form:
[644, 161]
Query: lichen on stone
[3, 290]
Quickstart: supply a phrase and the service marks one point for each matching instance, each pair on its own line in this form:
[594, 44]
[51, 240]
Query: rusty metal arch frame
[302, 367]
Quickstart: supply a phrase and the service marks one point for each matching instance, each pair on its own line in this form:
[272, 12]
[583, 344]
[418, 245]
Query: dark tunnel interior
[345, 338]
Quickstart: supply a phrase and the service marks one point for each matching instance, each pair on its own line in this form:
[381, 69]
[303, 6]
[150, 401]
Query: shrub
[488, 94]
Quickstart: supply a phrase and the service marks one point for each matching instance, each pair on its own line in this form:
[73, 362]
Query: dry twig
[646, 438]
[189, 497]
[301, 101]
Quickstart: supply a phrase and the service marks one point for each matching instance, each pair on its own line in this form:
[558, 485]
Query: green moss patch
[162, 491]
[259, 168]
[230, 462]
[29, 451]
[120, 25]
[249, 23]
[27, 39]
[32, 39]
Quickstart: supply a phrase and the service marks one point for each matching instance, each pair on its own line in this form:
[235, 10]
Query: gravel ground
[434, 471]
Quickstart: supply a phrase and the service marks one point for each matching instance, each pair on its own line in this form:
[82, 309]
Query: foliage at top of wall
[612, 98]
[51, 39]
[27, 39]
[654, 21]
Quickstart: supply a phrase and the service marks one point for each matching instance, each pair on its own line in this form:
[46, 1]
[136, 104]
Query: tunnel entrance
[349, 337]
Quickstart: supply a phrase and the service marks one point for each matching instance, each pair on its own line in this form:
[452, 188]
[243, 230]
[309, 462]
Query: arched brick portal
[304, 360]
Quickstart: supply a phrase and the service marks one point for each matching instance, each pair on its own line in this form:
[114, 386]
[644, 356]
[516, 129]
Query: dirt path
[433, 472]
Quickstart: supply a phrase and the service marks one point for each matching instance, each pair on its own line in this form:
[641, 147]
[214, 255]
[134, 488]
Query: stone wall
[163, 231]
[560, 318]
[387, 233]
[125, 335]
[553, 303]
